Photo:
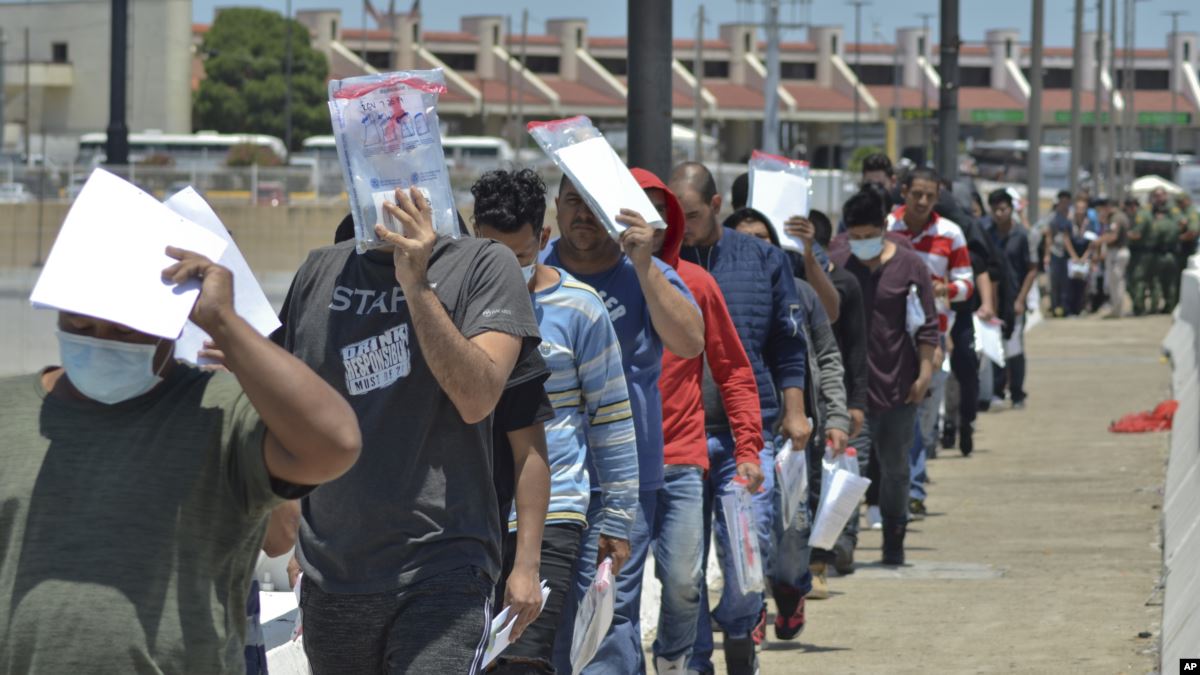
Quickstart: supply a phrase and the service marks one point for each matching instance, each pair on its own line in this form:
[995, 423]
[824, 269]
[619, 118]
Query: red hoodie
[684, 439]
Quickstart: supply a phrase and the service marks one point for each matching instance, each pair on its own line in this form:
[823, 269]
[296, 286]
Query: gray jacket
[826, 383]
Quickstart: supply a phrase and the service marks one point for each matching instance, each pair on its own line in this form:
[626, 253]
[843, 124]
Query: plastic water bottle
[849, 460]
[267, 585]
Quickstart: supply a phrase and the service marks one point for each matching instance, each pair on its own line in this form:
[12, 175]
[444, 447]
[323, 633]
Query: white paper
[593, 618]
[841, 492]
[792, 470]
[108, 259]
[249, 300]
[288, 659]
[597, 172]
[780, 195]
[989, 340]
[502, 627]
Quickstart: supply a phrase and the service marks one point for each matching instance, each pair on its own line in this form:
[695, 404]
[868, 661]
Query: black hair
[345, 230]
[1062, 194]
[739, 194]
[1132, 201]
[921, 173]
[864, 208]
[977, 200]
[877, 161]
[745, 213]
[995, 197]
[698, 177]
[823, 227]
[508, 200]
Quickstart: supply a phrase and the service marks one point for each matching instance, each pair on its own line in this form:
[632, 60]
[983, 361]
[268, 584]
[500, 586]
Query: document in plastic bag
[841, 491]
[249, 300]
[582, 153]
[989, 339]
[791, 470]
[386, 130]
[780, 189]
[593, 618]
[915, 317]
[108, 258]
[500, 636]
[738, 507]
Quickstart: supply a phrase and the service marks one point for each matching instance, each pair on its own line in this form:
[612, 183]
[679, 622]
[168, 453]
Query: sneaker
[759, 632]
[874, 518]
[843, 556]
[740, 657]
[820, 584]
[665, 667]
[788, 627]
[1018, 405]
[916, 509]
[948, 433]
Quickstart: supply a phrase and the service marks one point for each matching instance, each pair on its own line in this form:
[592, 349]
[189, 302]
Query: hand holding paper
[214, 306]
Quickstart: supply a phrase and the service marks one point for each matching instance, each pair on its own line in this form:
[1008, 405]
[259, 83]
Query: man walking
[1012, 240]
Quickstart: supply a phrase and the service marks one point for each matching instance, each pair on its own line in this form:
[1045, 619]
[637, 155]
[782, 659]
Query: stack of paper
[780, 196]
[502, 626]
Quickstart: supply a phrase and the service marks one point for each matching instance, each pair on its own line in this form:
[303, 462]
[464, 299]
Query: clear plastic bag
[387, 134]
[738, 507]
[583, 154]
[780, 188]
[841, 491]
[915, 316]
[791, 471]
[594, 617]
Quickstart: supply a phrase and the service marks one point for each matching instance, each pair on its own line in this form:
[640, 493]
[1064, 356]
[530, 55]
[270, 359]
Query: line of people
[462, 418]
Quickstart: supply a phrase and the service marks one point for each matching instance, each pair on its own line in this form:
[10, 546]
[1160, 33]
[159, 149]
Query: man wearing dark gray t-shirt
[401, 554]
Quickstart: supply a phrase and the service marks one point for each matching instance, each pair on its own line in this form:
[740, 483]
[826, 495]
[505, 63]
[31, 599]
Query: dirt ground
[1040, 553]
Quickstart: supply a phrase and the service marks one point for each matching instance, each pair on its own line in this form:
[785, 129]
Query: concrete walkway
[1041, 550]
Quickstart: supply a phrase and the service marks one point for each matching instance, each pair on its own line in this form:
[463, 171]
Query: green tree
[245, 85]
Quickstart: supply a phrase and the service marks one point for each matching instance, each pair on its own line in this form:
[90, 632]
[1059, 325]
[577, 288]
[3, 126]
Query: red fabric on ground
[1158, 419]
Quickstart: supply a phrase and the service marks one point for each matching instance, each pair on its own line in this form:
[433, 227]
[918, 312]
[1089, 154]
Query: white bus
[201, 150]
[462, 152]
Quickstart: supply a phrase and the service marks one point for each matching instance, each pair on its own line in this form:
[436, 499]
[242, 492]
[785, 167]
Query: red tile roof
[355, 34]
[200, 28]
[734, 96]
[607, 42]
[448, 36]
[816, 97]
[1160, 101]
[514, 40]
[1060, 99]
[970, 98]
[870, 48]
[909, 98]
[974, 50]
[805, 47]
[686, 43]
[496, 91]
[574, 93]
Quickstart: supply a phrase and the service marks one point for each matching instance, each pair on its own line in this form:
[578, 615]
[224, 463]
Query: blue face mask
[528, 271]
[867, 249]
[106, 370]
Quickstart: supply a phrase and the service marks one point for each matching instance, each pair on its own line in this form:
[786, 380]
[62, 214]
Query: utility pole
[1114, 185]
[925, 16]
[1076, 86]
[521, 83]
[858, 5]
[1034, 168]
[117, 143]
[770, 141]
[509, 128]
[698, 94]
[1173, 80]
[649, 103]
[1097, 87]
[287, 83]
[28, 99]
[948, 95]
[364, 35]
[3, 44]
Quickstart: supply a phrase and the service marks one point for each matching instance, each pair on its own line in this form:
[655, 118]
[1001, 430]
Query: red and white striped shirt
[943, 247]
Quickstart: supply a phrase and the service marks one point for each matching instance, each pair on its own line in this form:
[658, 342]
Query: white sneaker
[665, 667]
[874, 518]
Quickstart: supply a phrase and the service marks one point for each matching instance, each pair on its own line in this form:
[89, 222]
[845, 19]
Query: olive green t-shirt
[129, 533]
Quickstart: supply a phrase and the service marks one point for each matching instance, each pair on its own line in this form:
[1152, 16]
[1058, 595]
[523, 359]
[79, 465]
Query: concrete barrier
[1181, 496]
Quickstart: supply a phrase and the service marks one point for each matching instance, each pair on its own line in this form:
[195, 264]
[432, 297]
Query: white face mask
[528, 271]
[106, 370]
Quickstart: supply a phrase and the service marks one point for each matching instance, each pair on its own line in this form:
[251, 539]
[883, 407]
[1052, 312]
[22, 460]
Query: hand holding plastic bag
[915, 317]
[386, 129]
[780, 189]
[791, 470]
[841, 490]
[593, 618]
[738, 507]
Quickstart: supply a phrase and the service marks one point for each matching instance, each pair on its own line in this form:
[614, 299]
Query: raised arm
[676, 320]
[312, 434]
[472, 371]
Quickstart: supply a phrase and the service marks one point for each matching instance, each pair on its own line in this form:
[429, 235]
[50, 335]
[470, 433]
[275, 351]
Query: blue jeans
[916, 466]
[926, 434]
[737, 613]
[678, 549]
[621, 651]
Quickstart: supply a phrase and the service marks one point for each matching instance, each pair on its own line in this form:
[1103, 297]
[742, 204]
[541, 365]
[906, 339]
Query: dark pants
[534, 652]
[964, 363]
[1058, 282]
[438, 625]
[1076, 296]
[1012, 374]
[892, 436]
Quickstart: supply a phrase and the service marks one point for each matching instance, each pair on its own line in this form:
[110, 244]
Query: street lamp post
[858, 5]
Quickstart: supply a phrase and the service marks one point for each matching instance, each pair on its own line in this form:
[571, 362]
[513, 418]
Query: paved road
[1040, 552]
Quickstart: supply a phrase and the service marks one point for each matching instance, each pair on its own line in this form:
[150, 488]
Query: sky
[879, 17]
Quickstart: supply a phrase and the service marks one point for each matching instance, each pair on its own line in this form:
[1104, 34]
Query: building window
[833, 44]
[495, 35]
[542, 64]
[1008, 45]
[873, 75]
[616, 66]
[1187, 51]
[798, 70]
[333, 26]
[59, 50]
[718, 69]
[1152, 80]
[579, 38]
[460, 62]
[379, 60]
[975, 77]
[921, 45]
[416, 36]
[746, 42]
